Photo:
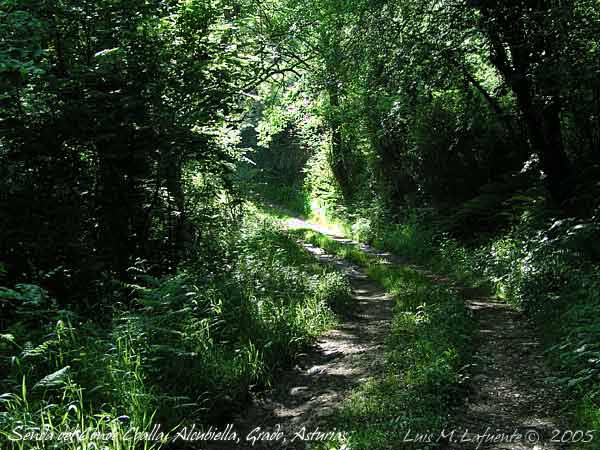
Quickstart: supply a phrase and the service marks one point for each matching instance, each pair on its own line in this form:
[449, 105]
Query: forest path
[510, 402]
[303, 398]
[508, 396]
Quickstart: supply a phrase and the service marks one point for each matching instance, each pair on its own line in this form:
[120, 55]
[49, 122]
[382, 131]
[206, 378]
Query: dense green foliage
[222, 336]
[431, 101]
[462, 134]
[97, 130]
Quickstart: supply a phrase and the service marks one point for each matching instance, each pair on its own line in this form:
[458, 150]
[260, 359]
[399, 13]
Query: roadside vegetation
[224, 333]
[139, 285]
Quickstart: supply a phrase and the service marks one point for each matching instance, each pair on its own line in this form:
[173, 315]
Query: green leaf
[55, 379]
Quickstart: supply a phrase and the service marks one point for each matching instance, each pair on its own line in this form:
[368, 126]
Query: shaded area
[509, 384]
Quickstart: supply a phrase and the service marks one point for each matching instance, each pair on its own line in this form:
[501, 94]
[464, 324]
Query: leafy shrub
[408, 239]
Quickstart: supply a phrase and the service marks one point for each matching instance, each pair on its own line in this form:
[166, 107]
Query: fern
[29, 351]
[8, 338]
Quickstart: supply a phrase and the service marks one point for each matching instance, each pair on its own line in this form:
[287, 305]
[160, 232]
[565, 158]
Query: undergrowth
[187, 348]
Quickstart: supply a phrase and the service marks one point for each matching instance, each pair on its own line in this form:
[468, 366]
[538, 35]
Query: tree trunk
[338, 157]
[541, 112]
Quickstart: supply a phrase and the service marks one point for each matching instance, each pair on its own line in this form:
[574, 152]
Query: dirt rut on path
[509, 389]
[303, 398]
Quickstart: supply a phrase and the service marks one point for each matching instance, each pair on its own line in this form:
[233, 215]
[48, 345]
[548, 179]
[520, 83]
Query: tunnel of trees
[141, 143]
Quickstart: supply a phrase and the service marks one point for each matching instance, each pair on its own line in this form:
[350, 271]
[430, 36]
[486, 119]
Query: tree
[528, 40]
[104, 103]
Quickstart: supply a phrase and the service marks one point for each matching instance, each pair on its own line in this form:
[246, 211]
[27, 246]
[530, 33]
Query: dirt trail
[508, 399]
[509, 388]
[510, 395]
[303, 398]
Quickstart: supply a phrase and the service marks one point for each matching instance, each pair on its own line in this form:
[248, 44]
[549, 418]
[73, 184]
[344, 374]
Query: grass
[428, 345]
[188, 348]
